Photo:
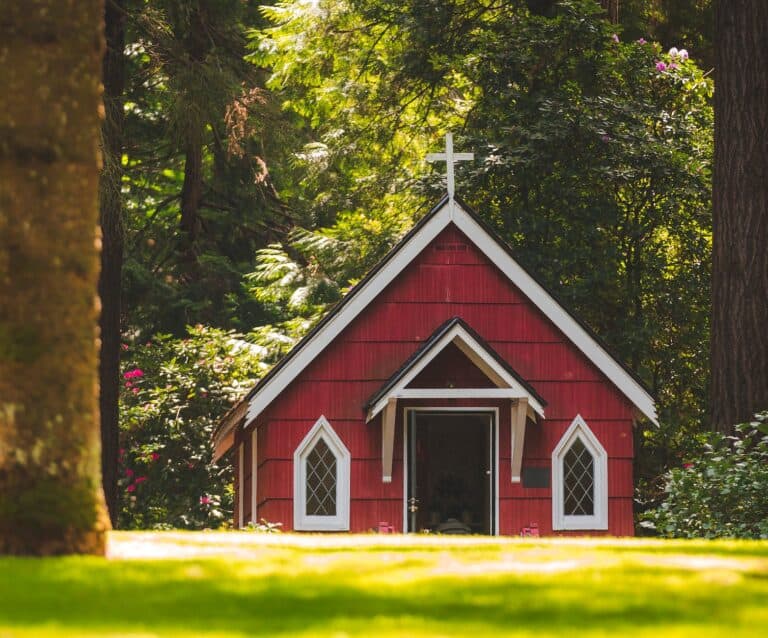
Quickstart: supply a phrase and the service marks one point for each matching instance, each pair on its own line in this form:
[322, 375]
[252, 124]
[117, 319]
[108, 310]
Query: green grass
[227, 584]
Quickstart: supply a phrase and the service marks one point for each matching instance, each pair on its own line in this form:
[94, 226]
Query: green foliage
[189, 90]
[593, 159]
[298, 281]
[722, 491]
[591, 162]
[174, 393]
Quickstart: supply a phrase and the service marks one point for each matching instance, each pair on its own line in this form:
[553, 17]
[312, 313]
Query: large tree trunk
[740, 224]
[111, 213]
[51, 500]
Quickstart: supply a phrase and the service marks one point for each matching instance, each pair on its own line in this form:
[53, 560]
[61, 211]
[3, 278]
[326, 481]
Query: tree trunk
[196, 46]
[111, 213]
[191, 195]
[740, 224]
[51, 500]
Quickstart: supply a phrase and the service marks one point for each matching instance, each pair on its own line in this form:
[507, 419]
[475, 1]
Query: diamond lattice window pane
[579, 480]
[321, 481]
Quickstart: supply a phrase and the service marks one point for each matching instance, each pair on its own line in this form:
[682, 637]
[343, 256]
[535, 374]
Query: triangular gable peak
[507, 384]
[445, 213]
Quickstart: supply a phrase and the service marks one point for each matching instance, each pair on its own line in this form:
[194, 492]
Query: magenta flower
[615, 37]
[205, 500]
[129, 472]
[661, 66]
[672, 66]
[687, 466]
[642, 41]
[155, 456]
[140, 479]
[130, 488]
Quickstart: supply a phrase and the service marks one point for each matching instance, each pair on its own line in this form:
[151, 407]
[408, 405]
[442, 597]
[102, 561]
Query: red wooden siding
[451, 277]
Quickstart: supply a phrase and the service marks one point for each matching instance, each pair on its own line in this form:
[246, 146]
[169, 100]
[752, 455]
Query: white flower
[683, 54]
[673, 52]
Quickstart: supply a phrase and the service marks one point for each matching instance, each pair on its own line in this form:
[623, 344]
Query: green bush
[174, 392]
[721, 493]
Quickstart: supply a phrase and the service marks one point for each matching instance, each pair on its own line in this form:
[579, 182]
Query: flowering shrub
[174, 392]
[723, 492]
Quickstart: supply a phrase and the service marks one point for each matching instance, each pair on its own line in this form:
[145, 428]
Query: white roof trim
[498, 255]
[507, 386]
[557, 315]
[362, 298]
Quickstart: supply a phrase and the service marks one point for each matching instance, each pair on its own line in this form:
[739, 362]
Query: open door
[451, 472]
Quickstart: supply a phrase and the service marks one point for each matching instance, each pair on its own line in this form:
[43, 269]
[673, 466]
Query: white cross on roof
[450, 158]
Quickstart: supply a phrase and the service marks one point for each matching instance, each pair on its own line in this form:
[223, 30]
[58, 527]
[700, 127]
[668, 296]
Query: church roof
[446, 211]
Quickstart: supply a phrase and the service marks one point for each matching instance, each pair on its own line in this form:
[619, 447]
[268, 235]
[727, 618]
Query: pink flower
[133, 374]
[135, 390]
[140, 479]
[605, 138]
[128, 384]
[615, 37]
[124, 346]
[661, 66]
[672, 66]
[130, 488]
[205, 500]
[687, 466]
[683, 54]
[155, 456]
[191, 466]
[121, 451]
[641, 41]
[129, 472]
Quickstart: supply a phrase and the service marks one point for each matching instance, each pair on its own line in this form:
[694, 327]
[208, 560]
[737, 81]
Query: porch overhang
[526, 403]
[508, 384]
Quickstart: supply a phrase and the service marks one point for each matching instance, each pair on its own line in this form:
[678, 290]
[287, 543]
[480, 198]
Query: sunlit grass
[247, 584]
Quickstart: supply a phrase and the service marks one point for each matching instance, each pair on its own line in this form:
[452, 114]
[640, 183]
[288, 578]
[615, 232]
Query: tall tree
[51, 500]
[111, 214]
[740, 224]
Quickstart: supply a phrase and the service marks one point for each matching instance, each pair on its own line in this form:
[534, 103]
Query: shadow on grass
[219, 596]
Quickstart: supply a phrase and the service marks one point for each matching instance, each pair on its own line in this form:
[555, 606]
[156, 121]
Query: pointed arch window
[321, 465]
[579, 480]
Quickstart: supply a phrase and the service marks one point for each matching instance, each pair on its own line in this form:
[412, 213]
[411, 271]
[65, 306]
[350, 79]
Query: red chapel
[449, 391]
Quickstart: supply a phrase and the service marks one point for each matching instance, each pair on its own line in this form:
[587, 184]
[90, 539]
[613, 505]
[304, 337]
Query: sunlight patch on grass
[239, 584]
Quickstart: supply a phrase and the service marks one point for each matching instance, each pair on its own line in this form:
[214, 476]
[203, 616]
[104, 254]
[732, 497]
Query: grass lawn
[240, 584]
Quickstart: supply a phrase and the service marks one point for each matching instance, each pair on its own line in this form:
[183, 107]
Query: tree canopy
[271, 154]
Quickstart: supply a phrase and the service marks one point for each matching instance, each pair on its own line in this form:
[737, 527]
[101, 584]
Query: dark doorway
[451, 472]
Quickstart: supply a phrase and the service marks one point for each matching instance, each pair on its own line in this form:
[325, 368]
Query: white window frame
[301, 521]
[599, 520]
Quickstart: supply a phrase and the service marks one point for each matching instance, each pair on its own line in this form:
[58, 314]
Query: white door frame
[494, 413]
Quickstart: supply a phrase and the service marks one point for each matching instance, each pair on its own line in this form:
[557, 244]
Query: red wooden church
[448, 391]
